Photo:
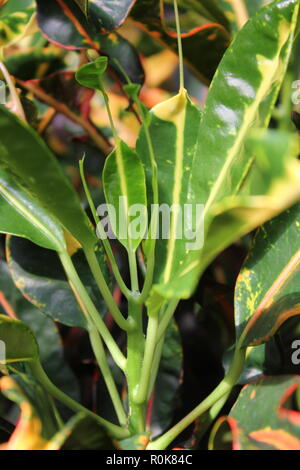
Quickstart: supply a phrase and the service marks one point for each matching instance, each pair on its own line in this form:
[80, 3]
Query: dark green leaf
[39, 276]
[35, 169]
[19, 340]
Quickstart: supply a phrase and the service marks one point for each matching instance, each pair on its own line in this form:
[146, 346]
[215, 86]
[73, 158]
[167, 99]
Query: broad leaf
[40, 277]
[221, 171]
[267, 289]
[21, 215]
[48, 338]
[20, 343]
[34, 63]
[63, 22]
[125, 193]
[37, 171]
[261, 419]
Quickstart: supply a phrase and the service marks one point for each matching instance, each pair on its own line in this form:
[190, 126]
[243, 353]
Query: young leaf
[261, 419]
[125, 193]
[20, 343]
[89, 74]
[267, 289]
[31, 164]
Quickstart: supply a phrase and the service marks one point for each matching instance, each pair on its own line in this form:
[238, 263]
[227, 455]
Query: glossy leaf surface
[267, 289]
[35, 168]
[125, 190]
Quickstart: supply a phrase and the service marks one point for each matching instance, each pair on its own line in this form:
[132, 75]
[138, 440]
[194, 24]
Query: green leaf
[88, 75]
[261, 419]
[110, 14]
[20, 343]
[85, 434]
[15, 25]
[267, 289]
[33, 63]
[220, 170]
[46, 332]
[40, 277]
[125, 193]
[173, 128]
[21, 215]
[31, 164]
[63, 22]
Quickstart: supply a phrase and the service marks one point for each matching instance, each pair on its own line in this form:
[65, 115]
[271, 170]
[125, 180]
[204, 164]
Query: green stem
[155, 365]
[180, 52]
[135, 351]
[103, 236]
[167, 316]
[133, 270]
[39, 373]
[105, 292]
[222, 389]
[150, 346]
[90, 310]
[99, 352]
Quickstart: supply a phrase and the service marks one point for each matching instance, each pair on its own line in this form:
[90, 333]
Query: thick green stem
[90, 310]
[150, 346]
[133, 271]
[39, 373]
[100, 355]
[105, 292]
[222, 389]
[135, 352]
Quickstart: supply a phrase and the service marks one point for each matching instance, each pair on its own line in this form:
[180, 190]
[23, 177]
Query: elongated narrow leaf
[20, 343]
[261, 419]
[31, 164]
[173, 128]
[21, 215]
[125, 193]
[267, 290]
[221, 171]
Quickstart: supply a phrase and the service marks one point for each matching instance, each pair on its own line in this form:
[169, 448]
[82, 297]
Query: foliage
[140, 321]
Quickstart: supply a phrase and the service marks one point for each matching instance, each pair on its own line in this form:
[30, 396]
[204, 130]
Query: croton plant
[150, 224]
